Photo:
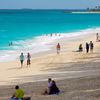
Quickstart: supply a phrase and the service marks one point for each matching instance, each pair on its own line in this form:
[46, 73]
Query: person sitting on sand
[80, 48]
[47, 90]
[22, 59]
[52, 88]
[58, 48]
[18, 95]
[28, 59]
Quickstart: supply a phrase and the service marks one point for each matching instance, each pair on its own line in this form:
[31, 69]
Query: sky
[48, 4]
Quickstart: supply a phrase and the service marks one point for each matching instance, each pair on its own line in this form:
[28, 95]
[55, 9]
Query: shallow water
[31, 30]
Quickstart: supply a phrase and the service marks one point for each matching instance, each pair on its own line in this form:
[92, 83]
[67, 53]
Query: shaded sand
[86, 88]
[77, 74]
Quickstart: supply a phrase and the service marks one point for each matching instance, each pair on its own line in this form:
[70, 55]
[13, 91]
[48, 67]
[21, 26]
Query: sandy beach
[77, 74]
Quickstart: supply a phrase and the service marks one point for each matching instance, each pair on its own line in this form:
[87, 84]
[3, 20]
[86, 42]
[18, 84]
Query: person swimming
[11, 43]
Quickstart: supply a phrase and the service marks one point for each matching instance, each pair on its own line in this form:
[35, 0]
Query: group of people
[22, 58]
[51, 89]
[11, 43]
[89, 46]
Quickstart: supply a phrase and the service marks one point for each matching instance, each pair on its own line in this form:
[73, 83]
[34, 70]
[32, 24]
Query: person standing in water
[11, 43]
[58, 48]
[22, 59]
[91, 46]
[28, 59]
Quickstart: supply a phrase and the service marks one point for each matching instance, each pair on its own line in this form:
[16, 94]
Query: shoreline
[42, 61]
[46, 42]
[77, 74]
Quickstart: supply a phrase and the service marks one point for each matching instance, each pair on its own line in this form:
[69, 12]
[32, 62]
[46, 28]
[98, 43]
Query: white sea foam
[86, 12]
[38, 44]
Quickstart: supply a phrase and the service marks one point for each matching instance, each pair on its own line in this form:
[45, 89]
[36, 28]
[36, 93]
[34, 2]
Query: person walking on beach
[91, 46]
[58, 48]
[97, 37]
[28, 59]
[87, 47]
[22, 59]
[18, 95]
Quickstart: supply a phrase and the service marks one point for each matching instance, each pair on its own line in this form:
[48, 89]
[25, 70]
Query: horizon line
[46, 9]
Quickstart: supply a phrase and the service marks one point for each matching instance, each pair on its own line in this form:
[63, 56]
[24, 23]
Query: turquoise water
[18, 26]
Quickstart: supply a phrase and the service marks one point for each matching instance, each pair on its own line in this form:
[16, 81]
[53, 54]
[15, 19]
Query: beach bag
[27, 98]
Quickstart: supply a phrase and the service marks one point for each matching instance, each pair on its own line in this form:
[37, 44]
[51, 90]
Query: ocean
[31, 30]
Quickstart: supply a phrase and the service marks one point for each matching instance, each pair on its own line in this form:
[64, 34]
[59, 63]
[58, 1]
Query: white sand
[11, 73]
[77, 74]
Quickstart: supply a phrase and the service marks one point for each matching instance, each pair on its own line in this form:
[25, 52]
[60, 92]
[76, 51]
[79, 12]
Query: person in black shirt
[87, 47]
[91, 46]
